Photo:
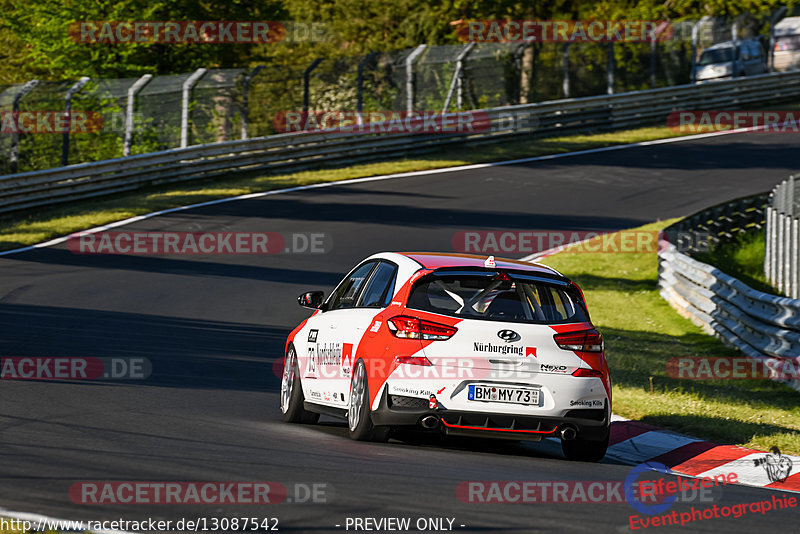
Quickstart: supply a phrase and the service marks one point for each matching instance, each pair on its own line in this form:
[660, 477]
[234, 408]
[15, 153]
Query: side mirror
[312, 299]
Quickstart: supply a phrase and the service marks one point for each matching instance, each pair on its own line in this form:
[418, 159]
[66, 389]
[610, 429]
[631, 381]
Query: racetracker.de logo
[50, 122]
[693, 122]
[176, 31]
[733, 368]
[586, 242]
[50, 368]
[203, 243]
[334, 361]
[138, 492]
[563, 31]
[582, 491]
[384, 122]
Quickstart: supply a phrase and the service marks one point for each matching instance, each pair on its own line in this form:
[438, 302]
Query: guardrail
[719, 224]
[782, 258]
[296, 151]
[762, 326]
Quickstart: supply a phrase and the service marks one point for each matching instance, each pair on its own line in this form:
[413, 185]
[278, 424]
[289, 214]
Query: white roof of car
[718, 46]
[788, 26]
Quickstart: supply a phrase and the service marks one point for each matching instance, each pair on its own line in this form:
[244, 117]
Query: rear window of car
[718, 55]
[497, 297]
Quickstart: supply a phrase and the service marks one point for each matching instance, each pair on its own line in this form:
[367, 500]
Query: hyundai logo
[508, 335]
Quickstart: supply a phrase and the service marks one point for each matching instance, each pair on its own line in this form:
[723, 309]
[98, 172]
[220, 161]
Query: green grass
[45, 223]
[742, 258]
[643, 332]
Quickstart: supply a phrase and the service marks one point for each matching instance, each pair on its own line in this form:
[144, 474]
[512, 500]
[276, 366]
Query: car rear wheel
[359, 421]
[584, 450]
[292, 393]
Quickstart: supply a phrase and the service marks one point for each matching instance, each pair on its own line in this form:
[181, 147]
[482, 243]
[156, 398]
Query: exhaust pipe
[568, 433]
[429, 422]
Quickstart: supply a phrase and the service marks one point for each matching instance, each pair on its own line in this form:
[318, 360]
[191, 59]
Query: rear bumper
[590, 424]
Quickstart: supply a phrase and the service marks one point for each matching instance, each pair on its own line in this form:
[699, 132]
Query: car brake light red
[587, 373]
[586, 340]
[407, 327]
[414, 360]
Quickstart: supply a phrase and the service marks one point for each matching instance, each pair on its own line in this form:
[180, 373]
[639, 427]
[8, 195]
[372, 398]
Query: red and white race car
[471, 345]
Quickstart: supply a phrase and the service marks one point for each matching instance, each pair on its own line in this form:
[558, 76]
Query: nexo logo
[508, 335]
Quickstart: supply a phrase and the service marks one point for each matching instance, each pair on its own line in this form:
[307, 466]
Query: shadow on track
[184, 353]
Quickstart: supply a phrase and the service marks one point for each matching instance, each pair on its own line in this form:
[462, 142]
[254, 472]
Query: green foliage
[35, 40]
[743, 258]
[50, 52]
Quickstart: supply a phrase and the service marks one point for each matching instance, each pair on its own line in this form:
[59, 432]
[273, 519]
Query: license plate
[478, 392]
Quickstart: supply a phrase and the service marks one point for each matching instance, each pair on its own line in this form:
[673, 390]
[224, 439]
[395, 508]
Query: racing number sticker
[311, 367]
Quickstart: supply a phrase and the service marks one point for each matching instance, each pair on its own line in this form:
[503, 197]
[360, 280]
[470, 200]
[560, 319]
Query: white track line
[132, 220]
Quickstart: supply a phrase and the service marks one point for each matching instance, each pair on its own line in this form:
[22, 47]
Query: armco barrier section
[295, 151]
[782, 258]
[762, 326]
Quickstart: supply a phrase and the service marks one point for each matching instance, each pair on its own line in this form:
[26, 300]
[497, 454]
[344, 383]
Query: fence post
[565, 71]
[610, 69]
[735, 39]
[456, 81]
[132, 92]
[772, 21]
[360, 86]
[307, 83]
[410, 76]
[14, 155]
[695, 31]
[791, 266]
[460, 79]
[768, 250]
[787, 254]
[653, 51]
[779, 238]
[246, 98]
[795, 263]
[190, 82]
[67, 114]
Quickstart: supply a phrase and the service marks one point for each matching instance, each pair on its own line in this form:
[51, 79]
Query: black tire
[292, 410]
[359, 422]
[584, 450]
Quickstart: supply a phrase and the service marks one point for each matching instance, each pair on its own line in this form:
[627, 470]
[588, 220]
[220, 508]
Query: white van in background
[786, 51]
[744, 57]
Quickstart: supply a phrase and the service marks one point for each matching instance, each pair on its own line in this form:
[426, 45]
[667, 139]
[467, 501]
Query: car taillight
[413, 360]
[587, 373]
[406, 327]
[586, 340]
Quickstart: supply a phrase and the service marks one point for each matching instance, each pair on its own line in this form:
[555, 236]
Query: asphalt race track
[213, 326]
